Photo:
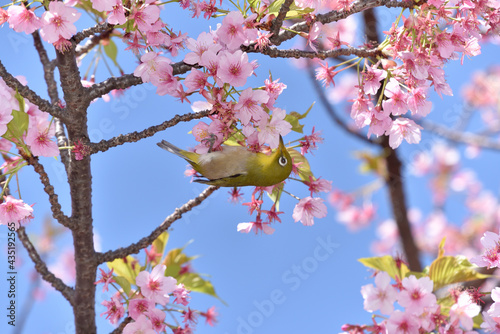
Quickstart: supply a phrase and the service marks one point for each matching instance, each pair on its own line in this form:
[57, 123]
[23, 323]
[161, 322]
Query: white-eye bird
[235, 166]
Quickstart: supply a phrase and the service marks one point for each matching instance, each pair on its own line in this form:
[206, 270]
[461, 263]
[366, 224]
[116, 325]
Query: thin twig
[105, 145]
[93, 41]
[97, 29]
[331, 111]
[296, 53]
[42, 269]
[148, 240]
[48, 73]
[128, 80]
[460, 137]
[27, 93]
[278, 21]
[49, 190]
[335, 16]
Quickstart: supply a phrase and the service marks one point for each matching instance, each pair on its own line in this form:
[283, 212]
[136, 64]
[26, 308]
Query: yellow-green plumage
[235, 166]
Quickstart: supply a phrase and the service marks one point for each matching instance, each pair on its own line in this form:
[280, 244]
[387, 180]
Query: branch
[42, 269]
[296, 53]
[97, 29]
[27, 93]
[278, 21]
[105, 145]
[331, 111]
[334, 16]
[49, 190]
[398, 203]
[148, 240]
[129, 80]
[93, 41]
[48, 73]
[460, 137]
[119, 329]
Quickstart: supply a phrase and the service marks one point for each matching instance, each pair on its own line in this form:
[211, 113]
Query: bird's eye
[282, 161]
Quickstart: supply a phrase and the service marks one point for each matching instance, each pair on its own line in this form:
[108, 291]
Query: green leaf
[127, 269]
[177, 257]
[447, 270]
[294, 117]
[477, 321]
[276, 195]
[173, 270]
[386, 263]
[111, 50]
[160, 243]
[194, 282]
[294, 122]
[17, 126]
[294, 12]
[124, 283]
[275, 7]
[304, 167]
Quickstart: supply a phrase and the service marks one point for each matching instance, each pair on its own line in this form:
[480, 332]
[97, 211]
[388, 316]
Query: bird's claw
[211, 141]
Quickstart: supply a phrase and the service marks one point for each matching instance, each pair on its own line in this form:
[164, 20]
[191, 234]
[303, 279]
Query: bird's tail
[170, 147]
[188, 156]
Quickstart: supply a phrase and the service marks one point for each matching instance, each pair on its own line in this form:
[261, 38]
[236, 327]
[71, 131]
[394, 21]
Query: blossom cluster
[148, 294]
[250, 112]
[418, 308]
[414, 55]
[56, 25]
[21, 123]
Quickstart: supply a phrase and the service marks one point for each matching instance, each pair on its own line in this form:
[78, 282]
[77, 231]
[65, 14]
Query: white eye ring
[282, 161]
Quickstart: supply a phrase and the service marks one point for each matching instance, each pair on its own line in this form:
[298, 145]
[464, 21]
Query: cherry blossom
[234, 68]
[464, 310]
[181, 295]
[403, 128]
[307, 209]
[491, 256]
[141, 326]
[371, 79]
[249, 105]
[115, 310]
[271, 129]
[402, 323]
[257, 226]
[39, 139]
[14, 210]
[59, 22]
[231, 33]
[139, 306]
[381, 296]
[416, 294]
[494, 310]
[22, 19]
[155, 286]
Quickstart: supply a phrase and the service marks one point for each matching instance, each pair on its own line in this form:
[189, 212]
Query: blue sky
[310, 272]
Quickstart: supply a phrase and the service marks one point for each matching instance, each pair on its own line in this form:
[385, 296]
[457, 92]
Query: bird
[236, 166]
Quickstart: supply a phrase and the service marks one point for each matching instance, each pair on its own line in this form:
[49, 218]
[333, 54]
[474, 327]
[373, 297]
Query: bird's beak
[281, 146]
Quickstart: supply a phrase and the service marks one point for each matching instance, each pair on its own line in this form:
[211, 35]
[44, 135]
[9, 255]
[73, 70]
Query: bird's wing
[230, 162]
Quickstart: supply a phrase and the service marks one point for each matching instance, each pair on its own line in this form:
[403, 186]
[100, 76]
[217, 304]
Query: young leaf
[124, 283]
[17, 126]
[160, 243]
[448, 270]
[386, 263]
[194, 282]
[111, 50]
[276, 195]
[127, 269]
[304, 167]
